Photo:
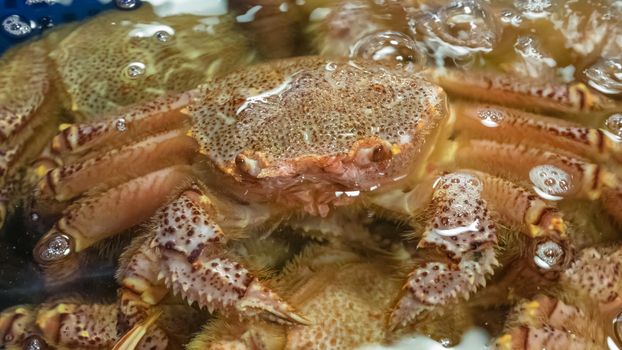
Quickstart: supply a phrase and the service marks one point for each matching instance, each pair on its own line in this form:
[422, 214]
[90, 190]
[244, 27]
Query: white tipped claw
[261, 302]
[131, 339]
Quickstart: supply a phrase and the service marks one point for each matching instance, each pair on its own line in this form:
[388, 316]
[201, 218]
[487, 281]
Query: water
[492, 196]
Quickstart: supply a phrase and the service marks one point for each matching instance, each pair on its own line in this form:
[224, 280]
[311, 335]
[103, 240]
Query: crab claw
[262, 302]
[132, 338]
[462, 230]
[186, 255]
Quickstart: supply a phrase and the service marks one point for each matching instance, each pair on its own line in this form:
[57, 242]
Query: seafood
[582, 313]
[200, 164]
[106, 63]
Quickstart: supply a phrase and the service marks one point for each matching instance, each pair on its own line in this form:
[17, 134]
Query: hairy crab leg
[546, 323]
[69, 325]
[461, 232]
[515, 126]
[97, 217]
[133, 123]
[554, 175]
[186, 252]
[28, 112]
[588, 321]
[460, 238]
[506, 89]
[113, 167]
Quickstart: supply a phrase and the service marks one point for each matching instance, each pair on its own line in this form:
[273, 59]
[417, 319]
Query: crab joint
[248, 165]
[548, 255]
[53, 247]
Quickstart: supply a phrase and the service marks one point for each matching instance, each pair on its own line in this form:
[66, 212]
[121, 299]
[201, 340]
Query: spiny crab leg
[506, 89]
[554, 175]
[460, 238]
[187, 254]
[92, 219]
[514, 126]
[463, 235]
[581, 317]
[68, 325]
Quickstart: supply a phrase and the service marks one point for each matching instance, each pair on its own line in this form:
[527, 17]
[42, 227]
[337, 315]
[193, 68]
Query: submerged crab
[583, 314]
[76, 74]
[306, 135]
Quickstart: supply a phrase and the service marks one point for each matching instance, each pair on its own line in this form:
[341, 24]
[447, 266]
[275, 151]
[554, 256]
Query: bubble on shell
[57, 247]
[605, 75]
[135, 70]
[550, 182]
[548, 255]
[393, 47]
[614, 124]
[16, 26]
[162, 36]
[490, 117]
[120, 124]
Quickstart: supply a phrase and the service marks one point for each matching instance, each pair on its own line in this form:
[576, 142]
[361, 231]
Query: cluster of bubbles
[550, 182]
[457, 30]
[19, 27]
[533, 9]
[490, 117]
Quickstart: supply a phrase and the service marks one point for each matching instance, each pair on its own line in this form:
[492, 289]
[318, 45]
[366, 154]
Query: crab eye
[374, 154]
[548, 255]
[617, 328]
[248, 165]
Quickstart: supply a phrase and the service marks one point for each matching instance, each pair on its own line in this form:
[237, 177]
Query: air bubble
[127, 4]
[490, 117]
[606, 75]
[35, 2]
[162, 36]
[614, 124]
[548, 255]
[120, 125]
[458, 29]
[533, 9]
[35, 343]
[34, 217]
[59, 246]
[550, 182]
[393, 47]
[135, 70]
[16, 26]
[510, 17]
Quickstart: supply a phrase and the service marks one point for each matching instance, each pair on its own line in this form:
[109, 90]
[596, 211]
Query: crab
[245, 151]
[306, 137]
[139, 56]
[582, 313]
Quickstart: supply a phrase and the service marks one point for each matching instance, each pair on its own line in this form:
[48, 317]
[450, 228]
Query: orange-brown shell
[309, 116]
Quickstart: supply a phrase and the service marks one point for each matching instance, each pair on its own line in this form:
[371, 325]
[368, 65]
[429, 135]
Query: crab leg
[508, 89]
[95, 218]
[515, 126]
[135, 122]
[186, 255]
[460, 238]
[112, 168]
[68, 325]
[554, 176]
[547, 323]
